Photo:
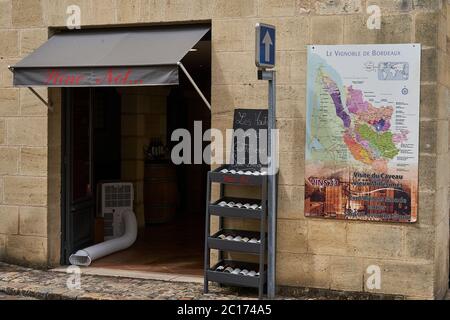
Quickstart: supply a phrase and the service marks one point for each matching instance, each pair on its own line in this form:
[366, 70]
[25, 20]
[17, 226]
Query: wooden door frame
[67, 238]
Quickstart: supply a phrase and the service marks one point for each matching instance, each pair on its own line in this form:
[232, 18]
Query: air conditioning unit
[116, 198]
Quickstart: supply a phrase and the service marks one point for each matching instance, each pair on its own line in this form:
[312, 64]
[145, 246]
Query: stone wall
[311, 253]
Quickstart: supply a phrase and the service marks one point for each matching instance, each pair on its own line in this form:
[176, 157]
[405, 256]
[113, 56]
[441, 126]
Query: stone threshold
[133, 274]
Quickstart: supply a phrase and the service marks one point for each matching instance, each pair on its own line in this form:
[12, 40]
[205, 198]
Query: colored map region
[356, 124]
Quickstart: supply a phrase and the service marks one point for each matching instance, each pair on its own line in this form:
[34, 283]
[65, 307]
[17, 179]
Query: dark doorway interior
[92, 152]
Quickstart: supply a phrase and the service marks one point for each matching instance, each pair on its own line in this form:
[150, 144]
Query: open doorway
[110, 135]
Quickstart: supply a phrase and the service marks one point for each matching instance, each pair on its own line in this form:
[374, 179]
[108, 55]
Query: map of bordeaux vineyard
[362, 132]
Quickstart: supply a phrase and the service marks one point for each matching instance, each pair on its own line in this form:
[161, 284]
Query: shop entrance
[123, 134]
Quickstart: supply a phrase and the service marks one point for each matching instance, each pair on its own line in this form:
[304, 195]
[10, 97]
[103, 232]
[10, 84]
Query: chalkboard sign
[250, 138]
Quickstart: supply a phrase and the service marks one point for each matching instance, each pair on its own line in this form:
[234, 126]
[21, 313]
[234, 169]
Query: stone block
[25, 191]
[346, 273]
[234, 8]
[2, 131]
[291, 68]
[277, 8]
[9, 47]
[410, 278]
[5, 13]
[428, 68]
[179, 10]
[9, 220]
[9, 159]
[224, 98]
[442, 31]
[2, 246]
[6, 76]
[129, 11]
[443, 102]
[292, 168]
[420, 242]
[33, 161]
[1, 189]
[227, 71]
[291, 101]
[27, 131]
[292, 236]
[426, 4]
[441, 260]
[101, 12]
[27, 250]
[291, 135]
[327, 237]
[427, 169]
[33, 221]
[426, 208]
[93, 12]
[373, 240]
[428, 133]
[335, 7]
[26, 13]
[394, 29]
[154, 10]
[56, 11]
[9, 102]
[388, 6]
[429, 108]
[427, 28]
[236, 35]
[31, 39]
[442, 206]
[326, 30]
[303, 270]
[442, 175]
[443, 67]
[442, 137]
[291, 202]
[30, 105]
[293, 33]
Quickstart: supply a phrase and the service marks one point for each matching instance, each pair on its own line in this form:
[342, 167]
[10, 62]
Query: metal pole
[270, 76]
[194, 84]
[272, 188]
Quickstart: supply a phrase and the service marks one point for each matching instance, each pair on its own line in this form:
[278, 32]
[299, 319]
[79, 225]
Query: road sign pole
[270, 76]
[265, 59]
[272, 225]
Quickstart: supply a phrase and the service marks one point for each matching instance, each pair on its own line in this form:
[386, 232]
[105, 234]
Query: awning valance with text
[115, 57]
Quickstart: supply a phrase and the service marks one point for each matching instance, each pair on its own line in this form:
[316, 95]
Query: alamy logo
[374, 279]
[74, 280]
[74, 19]
[374, 21]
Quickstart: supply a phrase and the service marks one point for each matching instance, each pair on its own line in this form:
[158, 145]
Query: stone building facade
[331, 255]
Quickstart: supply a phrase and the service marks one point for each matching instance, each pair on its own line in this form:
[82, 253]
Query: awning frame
[49, 104]
[195, 85]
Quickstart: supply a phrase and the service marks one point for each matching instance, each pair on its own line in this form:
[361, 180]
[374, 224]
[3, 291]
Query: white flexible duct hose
[86, 256]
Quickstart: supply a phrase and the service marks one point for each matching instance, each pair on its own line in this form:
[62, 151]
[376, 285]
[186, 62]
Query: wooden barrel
[160, 192]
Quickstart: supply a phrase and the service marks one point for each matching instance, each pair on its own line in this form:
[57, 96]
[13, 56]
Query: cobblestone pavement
[9, 297]
[52, 285]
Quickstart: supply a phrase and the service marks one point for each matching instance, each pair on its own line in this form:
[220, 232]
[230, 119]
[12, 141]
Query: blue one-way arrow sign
[265, 45]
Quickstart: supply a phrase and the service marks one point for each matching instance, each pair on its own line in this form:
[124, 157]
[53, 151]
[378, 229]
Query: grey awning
[136, 57]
